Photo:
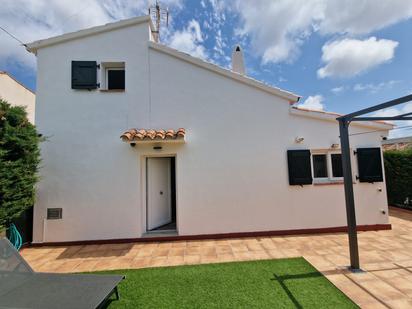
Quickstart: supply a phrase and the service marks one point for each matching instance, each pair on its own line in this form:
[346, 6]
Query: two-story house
[146, 141]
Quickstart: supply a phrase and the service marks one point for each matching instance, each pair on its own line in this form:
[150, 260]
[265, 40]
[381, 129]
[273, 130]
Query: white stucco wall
[233, 170]
[231, 173]
[17, 95]
[86, 169]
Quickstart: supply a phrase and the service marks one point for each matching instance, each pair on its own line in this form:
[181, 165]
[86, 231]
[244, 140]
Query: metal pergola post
[350, 200]
[344, 122]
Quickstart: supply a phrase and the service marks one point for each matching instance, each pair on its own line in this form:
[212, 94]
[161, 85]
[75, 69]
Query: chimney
[238, 65]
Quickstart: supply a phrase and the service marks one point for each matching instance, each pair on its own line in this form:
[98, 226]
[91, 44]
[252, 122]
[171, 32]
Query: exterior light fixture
[157, 147]
[299, 139]
[132, 144]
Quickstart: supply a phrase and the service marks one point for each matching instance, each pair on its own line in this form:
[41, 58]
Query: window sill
[112, 90]
[327, 182]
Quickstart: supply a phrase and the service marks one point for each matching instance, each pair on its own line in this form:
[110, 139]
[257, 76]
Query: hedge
[398, 170]
[19, 161]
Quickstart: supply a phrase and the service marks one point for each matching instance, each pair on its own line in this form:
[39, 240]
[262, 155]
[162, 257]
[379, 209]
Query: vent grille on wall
[54, 213]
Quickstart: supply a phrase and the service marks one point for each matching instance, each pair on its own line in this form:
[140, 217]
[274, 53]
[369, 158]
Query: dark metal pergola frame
[344, 122]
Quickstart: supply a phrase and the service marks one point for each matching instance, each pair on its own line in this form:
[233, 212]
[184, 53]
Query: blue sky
[339, 55]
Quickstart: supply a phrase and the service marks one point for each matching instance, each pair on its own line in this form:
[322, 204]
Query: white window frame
[330, 178]
[105, 67]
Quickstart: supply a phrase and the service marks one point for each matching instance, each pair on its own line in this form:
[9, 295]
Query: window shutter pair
[300, 172]
[84, 74]
[369, 164]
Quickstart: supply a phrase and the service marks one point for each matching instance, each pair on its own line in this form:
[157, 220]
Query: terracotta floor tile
[238, 247]
[192, 250]
[175, 260]
[208, 251]
[140, 262]
[222, 249]
[177, 252]
[226, 257]
[158, 261]
[160, 252]
[192, 259]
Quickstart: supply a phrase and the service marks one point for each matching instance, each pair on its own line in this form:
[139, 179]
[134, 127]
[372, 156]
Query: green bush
[19, 161]
[398, 170]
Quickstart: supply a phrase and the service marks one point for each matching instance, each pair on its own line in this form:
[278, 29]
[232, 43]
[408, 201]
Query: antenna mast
[159, 15]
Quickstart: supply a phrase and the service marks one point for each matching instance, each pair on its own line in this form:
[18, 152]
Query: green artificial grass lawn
[284, 283]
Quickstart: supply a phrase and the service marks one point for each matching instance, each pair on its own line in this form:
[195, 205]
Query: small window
[115, 79]
[336, 159]
[320, 167]
[113, 76]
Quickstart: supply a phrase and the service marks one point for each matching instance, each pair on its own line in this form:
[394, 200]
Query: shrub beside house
[398, 170]
[19, 161]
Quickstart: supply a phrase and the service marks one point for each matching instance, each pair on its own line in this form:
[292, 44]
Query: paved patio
[386, 258]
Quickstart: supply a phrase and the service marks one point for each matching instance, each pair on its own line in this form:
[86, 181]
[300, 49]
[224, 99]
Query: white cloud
[373, 88]
[349, 57]
[337, 90]
[189, 40]
[362, 16]
[277, 29]
[33, 20]
[313, 102]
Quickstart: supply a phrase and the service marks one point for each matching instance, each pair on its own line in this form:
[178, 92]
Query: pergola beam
[400, 117]
[375, 108]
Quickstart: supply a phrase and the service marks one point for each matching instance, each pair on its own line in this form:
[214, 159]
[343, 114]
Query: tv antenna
[159, 16]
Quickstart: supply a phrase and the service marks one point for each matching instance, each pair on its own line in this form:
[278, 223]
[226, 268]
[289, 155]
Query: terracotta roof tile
[150, 134]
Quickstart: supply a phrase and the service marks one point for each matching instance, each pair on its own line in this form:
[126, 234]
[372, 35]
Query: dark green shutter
[369, 164]
[84, 74]
[300, 172]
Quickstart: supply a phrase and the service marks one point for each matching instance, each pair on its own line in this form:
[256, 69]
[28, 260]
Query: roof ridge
[35, 45]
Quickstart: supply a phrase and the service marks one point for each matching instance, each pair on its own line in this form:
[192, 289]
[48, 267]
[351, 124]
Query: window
[326, 166]
[84, 75]
[115, 79]
[320, 168]
[113, 76]
[336, 160]
[300, 172]
[369, 164]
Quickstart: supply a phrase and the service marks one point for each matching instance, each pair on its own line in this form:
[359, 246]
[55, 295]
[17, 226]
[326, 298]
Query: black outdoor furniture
[21, 287]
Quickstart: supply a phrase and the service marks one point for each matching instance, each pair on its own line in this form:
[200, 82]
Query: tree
[19, 162]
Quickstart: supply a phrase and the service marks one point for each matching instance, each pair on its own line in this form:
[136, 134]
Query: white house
[146, 141]
[17, 94]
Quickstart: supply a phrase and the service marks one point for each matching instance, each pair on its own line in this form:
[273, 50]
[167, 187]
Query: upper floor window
[113, 76]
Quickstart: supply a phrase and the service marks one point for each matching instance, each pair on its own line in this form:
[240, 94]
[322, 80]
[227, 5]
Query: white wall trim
[34, 46]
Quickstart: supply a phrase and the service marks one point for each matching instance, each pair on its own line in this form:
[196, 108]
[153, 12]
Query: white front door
[159, 210]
